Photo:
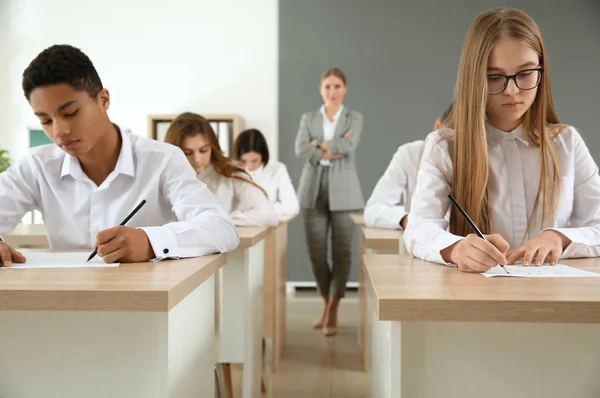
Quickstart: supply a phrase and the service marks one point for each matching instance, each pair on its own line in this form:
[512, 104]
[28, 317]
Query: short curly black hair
[62, 63]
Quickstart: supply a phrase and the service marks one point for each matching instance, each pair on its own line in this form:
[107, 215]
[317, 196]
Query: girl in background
[252, 151]
[246, 203]
[383, 208]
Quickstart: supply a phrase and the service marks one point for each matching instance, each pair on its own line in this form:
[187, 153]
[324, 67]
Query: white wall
[206, 56]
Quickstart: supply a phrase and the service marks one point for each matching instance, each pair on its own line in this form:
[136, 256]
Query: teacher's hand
[8, 255]
[124, 244]
[331, 156]
[314, 142]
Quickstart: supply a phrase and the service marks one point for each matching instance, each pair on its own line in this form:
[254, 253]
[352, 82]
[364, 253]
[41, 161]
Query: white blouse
[246, 204]
[329, 128]
[515, 173]
[398, 181]
[181, 217]
[274, 179]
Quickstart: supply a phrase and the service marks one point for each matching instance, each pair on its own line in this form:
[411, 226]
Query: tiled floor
[313, 365]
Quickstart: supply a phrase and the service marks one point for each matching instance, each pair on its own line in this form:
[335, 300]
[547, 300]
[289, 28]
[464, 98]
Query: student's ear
[103, 99]
[437, 125]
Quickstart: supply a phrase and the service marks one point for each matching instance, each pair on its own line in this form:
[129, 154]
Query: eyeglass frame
[508, 78]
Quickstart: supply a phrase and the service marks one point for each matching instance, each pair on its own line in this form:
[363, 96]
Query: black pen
[143, 202]
[471, 223]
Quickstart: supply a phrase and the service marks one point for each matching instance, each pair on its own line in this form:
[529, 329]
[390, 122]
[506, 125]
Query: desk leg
[99, 354]
[280, 321]
[362, 297]
[242, 280]
[475, 359]
[385, 353]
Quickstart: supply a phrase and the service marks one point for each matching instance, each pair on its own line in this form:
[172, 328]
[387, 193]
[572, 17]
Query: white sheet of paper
[545, 271]
[60, 260]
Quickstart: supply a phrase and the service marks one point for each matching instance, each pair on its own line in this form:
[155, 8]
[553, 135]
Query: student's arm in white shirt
[255, 208]
[585, 217]
[382, 210]
[286, 204]
[203, 227]
[18, 194]
[426, 233]
[345, 145]
[303, 148]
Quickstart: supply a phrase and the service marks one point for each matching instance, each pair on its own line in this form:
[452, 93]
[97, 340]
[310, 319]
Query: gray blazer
[344, 187]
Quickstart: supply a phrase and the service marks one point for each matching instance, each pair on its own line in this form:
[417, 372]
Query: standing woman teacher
[329, 190]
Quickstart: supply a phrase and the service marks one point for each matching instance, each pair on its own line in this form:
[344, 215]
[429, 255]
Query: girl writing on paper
[329, 190]
[246, 202]
[517, 172]
[251, 149]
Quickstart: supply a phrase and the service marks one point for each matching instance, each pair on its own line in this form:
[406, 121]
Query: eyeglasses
[527, 79]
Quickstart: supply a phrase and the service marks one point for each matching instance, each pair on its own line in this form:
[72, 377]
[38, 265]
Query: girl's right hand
[473, 254]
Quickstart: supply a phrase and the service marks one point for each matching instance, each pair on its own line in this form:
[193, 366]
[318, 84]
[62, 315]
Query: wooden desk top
[35, 235]
[130, 287]
[358, 218]
[382, 239]
[28, 234]
[408, 289]
[250, 236]
[286, 219]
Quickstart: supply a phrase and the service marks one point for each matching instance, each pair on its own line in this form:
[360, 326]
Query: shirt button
[165, 251]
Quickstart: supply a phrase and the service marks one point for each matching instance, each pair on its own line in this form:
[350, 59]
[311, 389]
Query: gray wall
[401, 59]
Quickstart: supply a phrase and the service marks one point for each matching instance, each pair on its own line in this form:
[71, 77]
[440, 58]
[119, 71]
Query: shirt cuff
[442, 242]
[579, 242]
[1, 240]
[163, 242]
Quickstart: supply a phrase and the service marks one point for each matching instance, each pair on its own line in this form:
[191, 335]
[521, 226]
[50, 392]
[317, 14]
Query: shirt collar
[495, 136]
[257, 171]
[125, 164]
[335, 117]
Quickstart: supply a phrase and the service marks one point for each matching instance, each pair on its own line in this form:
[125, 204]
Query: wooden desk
[436, 331]
[274, 313]
[370, 240]
[240, 308]
[28, 236]
[138, 330]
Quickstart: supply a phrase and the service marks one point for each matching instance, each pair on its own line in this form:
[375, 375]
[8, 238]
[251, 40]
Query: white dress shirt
[398, 181]
[246, 204]
[276, 181]
[329, 128]
[515, 175]
[181, 217]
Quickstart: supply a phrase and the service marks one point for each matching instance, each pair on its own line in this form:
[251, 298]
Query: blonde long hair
[470, 183]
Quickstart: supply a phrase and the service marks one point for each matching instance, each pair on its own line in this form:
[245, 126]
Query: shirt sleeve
[382, 210]
[286, 204]
[585, 217]
[203, 226]
[254, 207]
[303, 149]
[426, 233]
[344, 146]
[19, 194]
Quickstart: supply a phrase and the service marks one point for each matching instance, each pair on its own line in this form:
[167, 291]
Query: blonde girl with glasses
[520, 174]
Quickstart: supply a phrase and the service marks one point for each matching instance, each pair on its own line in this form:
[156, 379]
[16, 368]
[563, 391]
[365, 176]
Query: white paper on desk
[60, 260]
[545, 271]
